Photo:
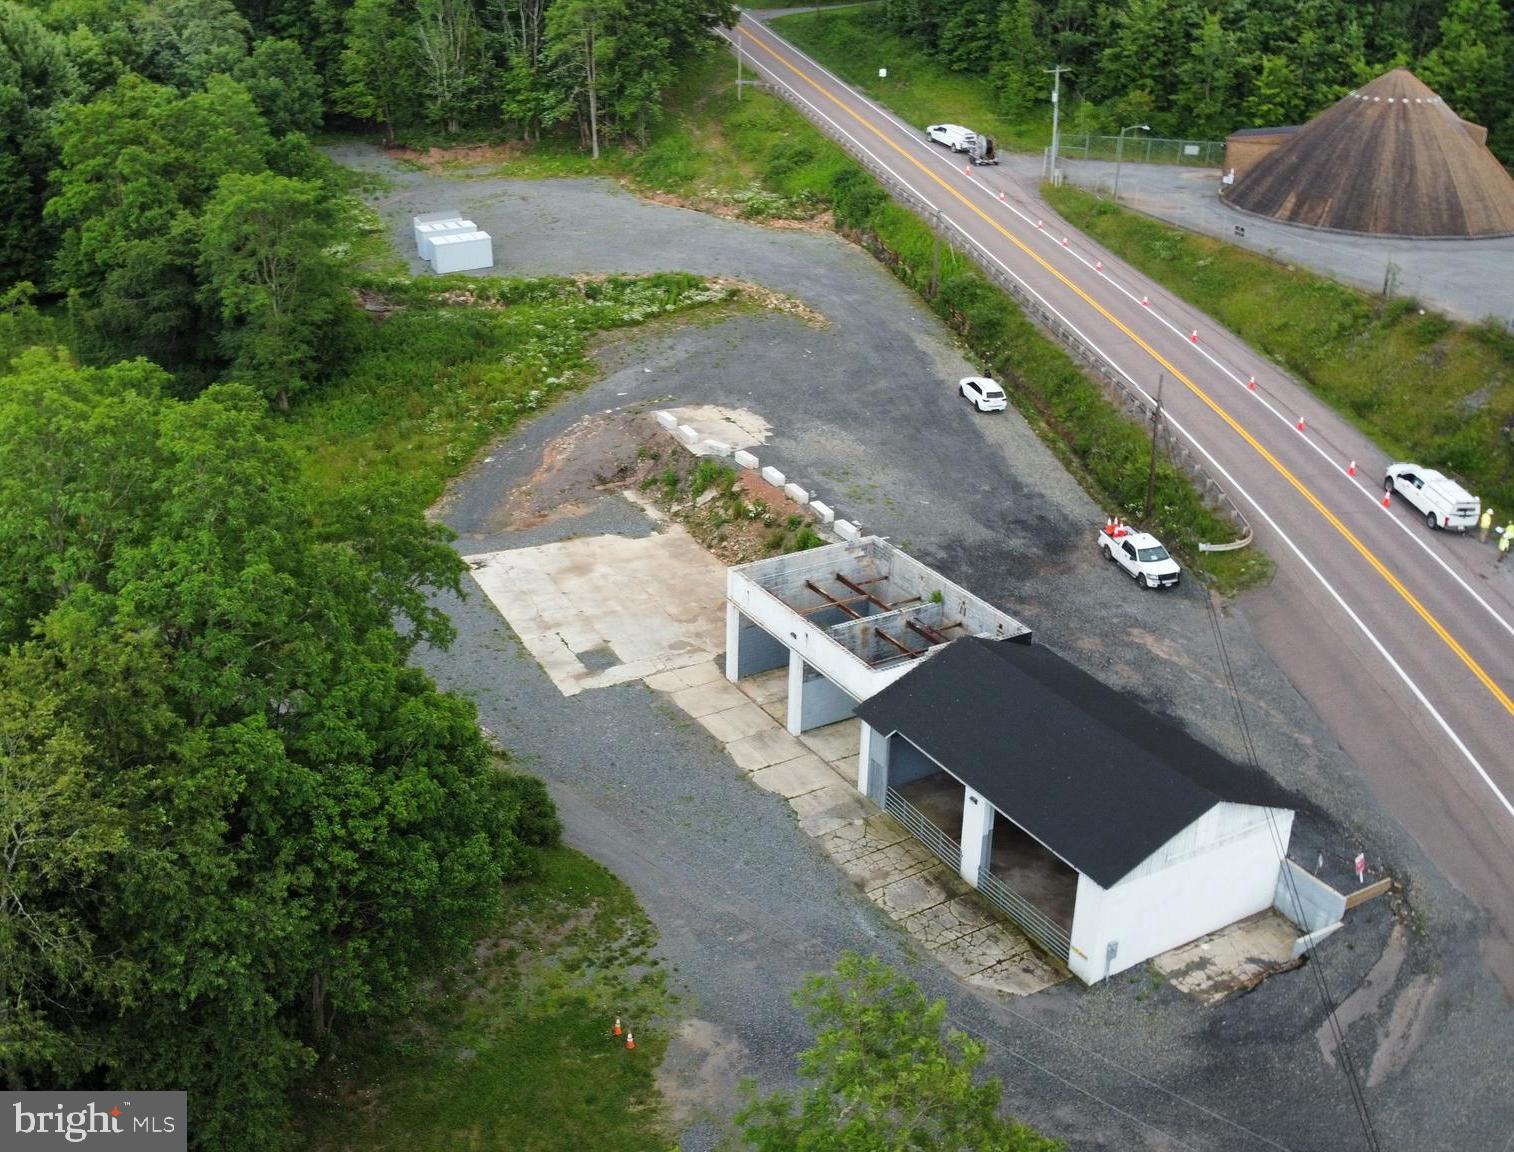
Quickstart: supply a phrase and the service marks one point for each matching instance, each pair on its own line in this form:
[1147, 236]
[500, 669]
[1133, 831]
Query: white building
[1105, 832]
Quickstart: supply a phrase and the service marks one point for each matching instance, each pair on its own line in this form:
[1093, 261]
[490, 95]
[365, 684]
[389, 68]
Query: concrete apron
[605, 610]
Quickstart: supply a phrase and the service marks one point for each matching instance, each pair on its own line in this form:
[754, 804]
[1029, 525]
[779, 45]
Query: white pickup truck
[1141, 555]
[1440, 500]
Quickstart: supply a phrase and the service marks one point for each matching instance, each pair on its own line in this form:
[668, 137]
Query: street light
[1119, 154]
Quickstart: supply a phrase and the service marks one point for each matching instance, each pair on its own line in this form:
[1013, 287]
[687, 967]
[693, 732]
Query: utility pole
[1056, 108]
[738, 58]
[1151, 476]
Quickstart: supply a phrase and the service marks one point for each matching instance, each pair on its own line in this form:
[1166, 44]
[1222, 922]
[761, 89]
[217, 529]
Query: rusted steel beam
[899, 644]
[927, 631]
[832, 602]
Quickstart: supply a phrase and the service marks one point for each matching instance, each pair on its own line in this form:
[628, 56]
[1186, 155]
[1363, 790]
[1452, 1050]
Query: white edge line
[1235, 485]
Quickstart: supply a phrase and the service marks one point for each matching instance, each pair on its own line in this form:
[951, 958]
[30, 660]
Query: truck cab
[1443, 502]
[953, 136]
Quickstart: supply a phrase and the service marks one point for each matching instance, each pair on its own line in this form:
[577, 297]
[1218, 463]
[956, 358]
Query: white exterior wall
[461, 252]
[822, 653]
[1221, 868]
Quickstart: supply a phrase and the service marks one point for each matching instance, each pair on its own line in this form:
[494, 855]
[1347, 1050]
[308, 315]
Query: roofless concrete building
[1390, 159]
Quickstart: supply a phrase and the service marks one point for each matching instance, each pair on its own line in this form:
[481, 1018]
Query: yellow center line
[1393, 581]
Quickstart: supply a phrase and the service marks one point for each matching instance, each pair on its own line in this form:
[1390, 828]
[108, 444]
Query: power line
[1313, 961]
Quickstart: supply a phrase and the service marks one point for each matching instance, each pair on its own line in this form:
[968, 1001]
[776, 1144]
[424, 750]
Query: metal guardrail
[1030, 919]
[1115, 386]
[922, 829]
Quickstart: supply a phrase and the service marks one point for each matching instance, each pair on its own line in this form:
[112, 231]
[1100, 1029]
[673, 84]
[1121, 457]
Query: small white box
[745, 459]
[847, 530]
[717, 448]
[773, 476]
[823, 512]
[461, 252]
[667, 420]
[797, 494]
[426, 234]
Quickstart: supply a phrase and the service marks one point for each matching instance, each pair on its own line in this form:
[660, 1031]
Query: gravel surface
[865, 414]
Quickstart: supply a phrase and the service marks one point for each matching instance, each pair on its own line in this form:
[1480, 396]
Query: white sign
[1190, 149]
[882, 73]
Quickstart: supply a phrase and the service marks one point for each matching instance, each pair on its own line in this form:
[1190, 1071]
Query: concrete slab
[882, 868]
[768, 686]
[772, 745]
[795, 777]
[735, 427]
[1022, 974]
[680, 678]
[835, 741]
[1231, 960]
[730, 724]
[575, 596]
[856, 841]
[846, 768]
[915, 894]
[713, 696]
[961, 915]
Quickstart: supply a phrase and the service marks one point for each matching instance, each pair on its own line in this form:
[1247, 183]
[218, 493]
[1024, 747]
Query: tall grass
[1424, 388]
[854, 43]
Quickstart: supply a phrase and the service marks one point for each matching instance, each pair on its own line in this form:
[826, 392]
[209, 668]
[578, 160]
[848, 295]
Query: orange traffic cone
[615, 1031]
[1387, 498]
[630, 1041]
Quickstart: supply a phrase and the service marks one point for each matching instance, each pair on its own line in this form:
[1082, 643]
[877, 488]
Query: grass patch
[854, 43]
[1424, 388]
[512, 1050]
[460, 360]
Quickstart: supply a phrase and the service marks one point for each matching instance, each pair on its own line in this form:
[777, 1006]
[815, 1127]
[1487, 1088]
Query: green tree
[1020, 60]
[263, 252]
[446, 34]
[1470, 65]
[284, 86]
[184, 42]
[377, 69]
[884, 1076]
[137, 166]
[581, 45]
[1206, 80]
[292, 824]
[37, 82]
[1275, 99]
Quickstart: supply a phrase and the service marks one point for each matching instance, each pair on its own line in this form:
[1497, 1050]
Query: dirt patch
[473, 154]
[733, 512]
[703, 1064]
[598, 454]
[728, 210]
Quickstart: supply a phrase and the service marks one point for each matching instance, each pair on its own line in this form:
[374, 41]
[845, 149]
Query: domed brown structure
[1390, 159]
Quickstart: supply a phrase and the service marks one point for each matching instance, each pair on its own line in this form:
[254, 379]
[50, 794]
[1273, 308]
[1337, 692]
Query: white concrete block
[847, 530]
[773, 476]
[716, 448]
[688, 435]
[745, 459]
[822, 512]
[667, 420]
[797, 494]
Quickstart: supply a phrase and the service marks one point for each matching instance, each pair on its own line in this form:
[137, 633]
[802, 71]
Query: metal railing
[922, 829]
[1115, 385]
[1144, 150]
[1031, 920]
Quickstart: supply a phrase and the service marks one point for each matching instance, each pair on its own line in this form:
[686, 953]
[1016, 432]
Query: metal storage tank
[461, 252]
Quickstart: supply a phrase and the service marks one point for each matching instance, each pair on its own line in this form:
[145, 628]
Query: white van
[1440, 500]
[953, 136]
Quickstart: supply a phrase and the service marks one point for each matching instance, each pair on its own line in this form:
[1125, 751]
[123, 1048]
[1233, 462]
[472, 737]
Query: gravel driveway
[864, 413]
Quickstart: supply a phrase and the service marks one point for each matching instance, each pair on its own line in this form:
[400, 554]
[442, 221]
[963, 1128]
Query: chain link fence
[1144, 150]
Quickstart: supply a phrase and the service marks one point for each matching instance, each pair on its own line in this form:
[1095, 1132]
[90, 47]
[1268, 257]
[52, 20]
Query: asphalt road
[1403, 639]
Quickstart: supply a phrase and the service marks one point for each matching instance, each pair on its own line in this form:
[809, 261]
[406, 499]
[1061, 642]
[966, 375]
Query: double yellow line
[1393, 581]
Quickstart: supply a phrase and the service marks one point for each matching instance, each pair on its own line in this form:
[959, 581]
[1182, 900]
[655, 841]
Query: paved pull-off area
[745, 899]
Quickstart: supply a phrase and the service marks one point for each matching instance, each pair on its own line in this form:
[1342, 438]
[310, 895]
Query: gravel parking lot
[864, 413]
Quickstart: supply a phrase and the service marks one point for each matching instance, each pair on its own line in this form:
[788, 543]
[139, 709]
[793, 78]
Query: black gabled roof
[1086, 770]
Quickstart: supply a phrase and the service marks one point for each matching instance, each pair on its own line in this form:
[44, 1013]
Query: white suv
[953, 136]
[986, 396]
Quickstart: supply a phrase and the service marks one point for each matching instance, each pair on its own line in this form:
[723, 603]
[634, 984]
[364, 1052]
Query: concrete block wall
[823, 514]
